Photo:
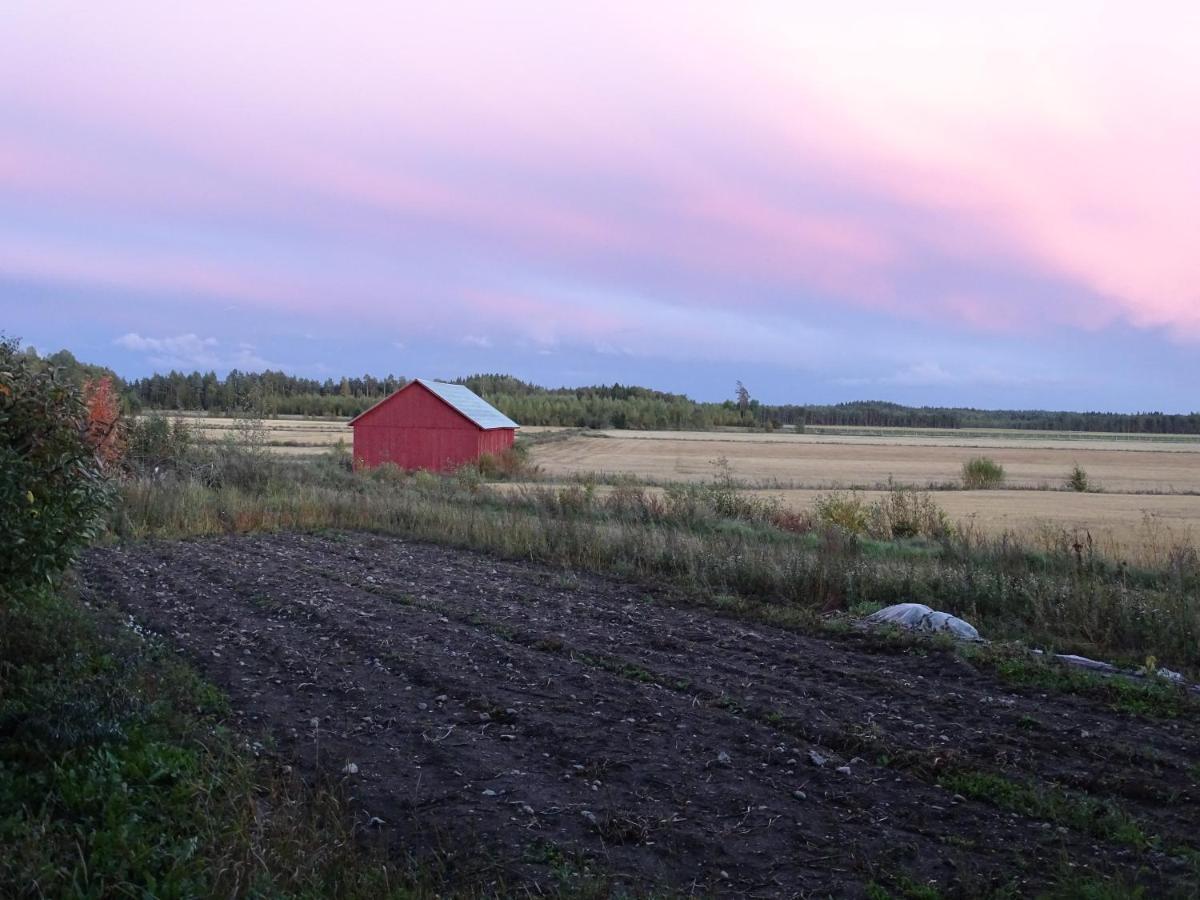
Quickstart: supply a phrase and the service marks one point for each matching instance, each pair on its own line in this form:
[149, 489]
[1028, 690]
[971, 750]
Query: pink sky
[604, 170]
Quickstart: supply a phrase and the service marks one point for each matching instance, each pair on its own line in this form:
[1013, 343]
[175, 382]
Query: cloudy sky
[940, 202]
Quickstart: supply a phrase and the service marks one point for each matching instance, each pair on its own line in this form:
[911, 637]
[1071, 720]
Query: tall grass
[712, 540]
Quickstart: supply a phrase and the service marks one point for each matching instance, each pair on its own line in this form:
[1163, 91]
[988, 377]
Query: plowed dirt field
[524, 725]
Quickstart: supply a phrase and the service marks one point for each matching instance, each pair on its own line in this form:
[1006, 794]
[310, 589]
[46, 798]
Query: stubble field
[840, 460]
[1148, 500]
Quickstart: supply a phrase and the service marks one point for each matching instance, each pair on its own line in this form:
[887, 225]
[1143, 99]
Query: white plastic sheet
[919, 617]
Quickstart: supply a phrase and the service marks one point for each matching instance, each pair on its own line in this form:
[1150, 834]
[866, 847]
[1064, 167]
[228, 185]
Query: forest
[598, 406]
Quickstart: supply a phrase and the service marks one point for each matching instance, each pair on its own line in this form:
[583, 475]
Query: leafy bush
[243, 459]
[511, 464]
[104, 432]
[154, 442]
[900, 513]
[905, 513]
[847, 511]
[1078, 479]
[52, 487]
[982, 472]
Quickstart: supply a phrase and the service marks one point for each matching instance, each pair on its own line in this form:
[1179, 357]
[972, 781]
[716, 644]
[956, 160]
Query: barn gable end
[429, 425]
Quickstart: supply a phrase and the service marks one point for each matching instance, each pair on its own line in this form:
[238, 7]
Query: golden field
[291, 436]
[825, 461]
[1150, 489]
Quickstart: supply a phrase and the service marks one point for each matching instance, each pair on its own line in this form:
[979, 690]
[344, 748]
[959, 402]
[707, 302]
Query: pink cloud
[726, 157]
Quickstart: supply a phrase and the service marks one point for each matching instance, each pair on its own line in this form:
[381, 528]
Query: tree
[103, 433]
[743, 398]
[52, 486]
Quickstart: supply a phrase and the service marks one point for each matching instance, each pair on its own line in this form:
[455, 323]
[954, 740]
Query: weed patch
[1149, 696]
[1100, 818]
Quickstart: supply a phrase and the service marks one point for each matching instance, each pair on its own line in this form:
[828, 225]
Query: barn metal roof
[470, 404]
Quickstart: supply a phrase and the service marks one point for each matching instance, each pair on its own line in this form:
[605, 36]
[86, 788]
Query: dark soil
[534, 731]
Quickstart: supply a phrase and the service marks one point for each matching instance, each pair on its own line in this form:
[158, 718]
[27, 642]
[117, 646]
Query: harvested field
[823, 461]
[289, 436]
[535, 726]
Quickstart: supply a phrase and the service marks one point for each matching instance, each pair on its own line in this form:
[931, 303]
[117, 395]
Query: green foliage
[982, 473]
[1078, 479]
[1077, 811]
[904, 889]
[607, 406]
[900, 513]
[118, 777]
[52, 489]
[905, 513]
[511, 464]
[847, 511]
[155, 442]
[1149, 696]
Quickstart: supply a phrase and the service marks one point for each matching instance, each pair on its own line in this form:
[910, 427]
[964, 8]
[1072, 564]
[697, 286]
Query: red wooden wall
[416, 429]
[496, 440]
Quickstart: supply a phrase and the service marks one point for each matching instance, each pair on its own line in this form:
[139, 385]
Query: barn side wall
[415, 430]
[496, 440]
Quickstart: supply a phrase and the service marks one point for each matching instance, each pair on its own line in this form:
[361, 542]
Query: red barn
[430, 425]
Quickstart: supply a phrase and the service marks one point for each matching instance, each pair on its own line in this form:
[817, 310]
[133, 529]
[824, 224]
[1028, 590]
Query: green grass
[901, 888]
[118, 777]
[1154, 697]
[617, 666]
[1096, 817]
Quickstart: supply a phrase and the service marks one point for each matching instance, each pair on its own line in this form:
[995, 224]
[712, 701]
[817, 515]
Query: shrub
[243, 459]
[687, 502]
[511, 464]
[154, 442]
[52, 487]
[982, 472]
[797, 522]
[104, 432]
[905, 513]
[847, 511]
[1078, 479]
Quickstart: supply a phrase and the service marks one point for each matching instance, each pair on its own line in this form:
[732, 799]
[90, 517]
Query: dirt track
[566, 722]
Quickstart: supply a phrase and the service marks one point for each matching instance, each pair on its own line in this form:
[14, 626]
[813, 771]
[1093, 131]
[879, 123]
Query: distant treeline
[881, 414]
[600, 406]
[263, 393]
[608, 406]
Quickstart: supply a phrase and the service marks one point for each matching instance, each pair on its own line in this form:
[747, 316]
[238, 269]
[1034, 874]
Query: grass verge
[119, 777]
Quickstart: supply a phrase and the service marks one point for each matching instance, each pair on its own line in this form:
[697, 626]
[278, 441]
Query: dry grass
[825, 461]
[1137, 528]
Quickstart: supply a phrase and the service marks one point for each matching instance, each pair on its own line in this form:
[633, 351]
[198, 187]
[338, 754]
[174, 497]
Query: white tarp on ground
[920, 617]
